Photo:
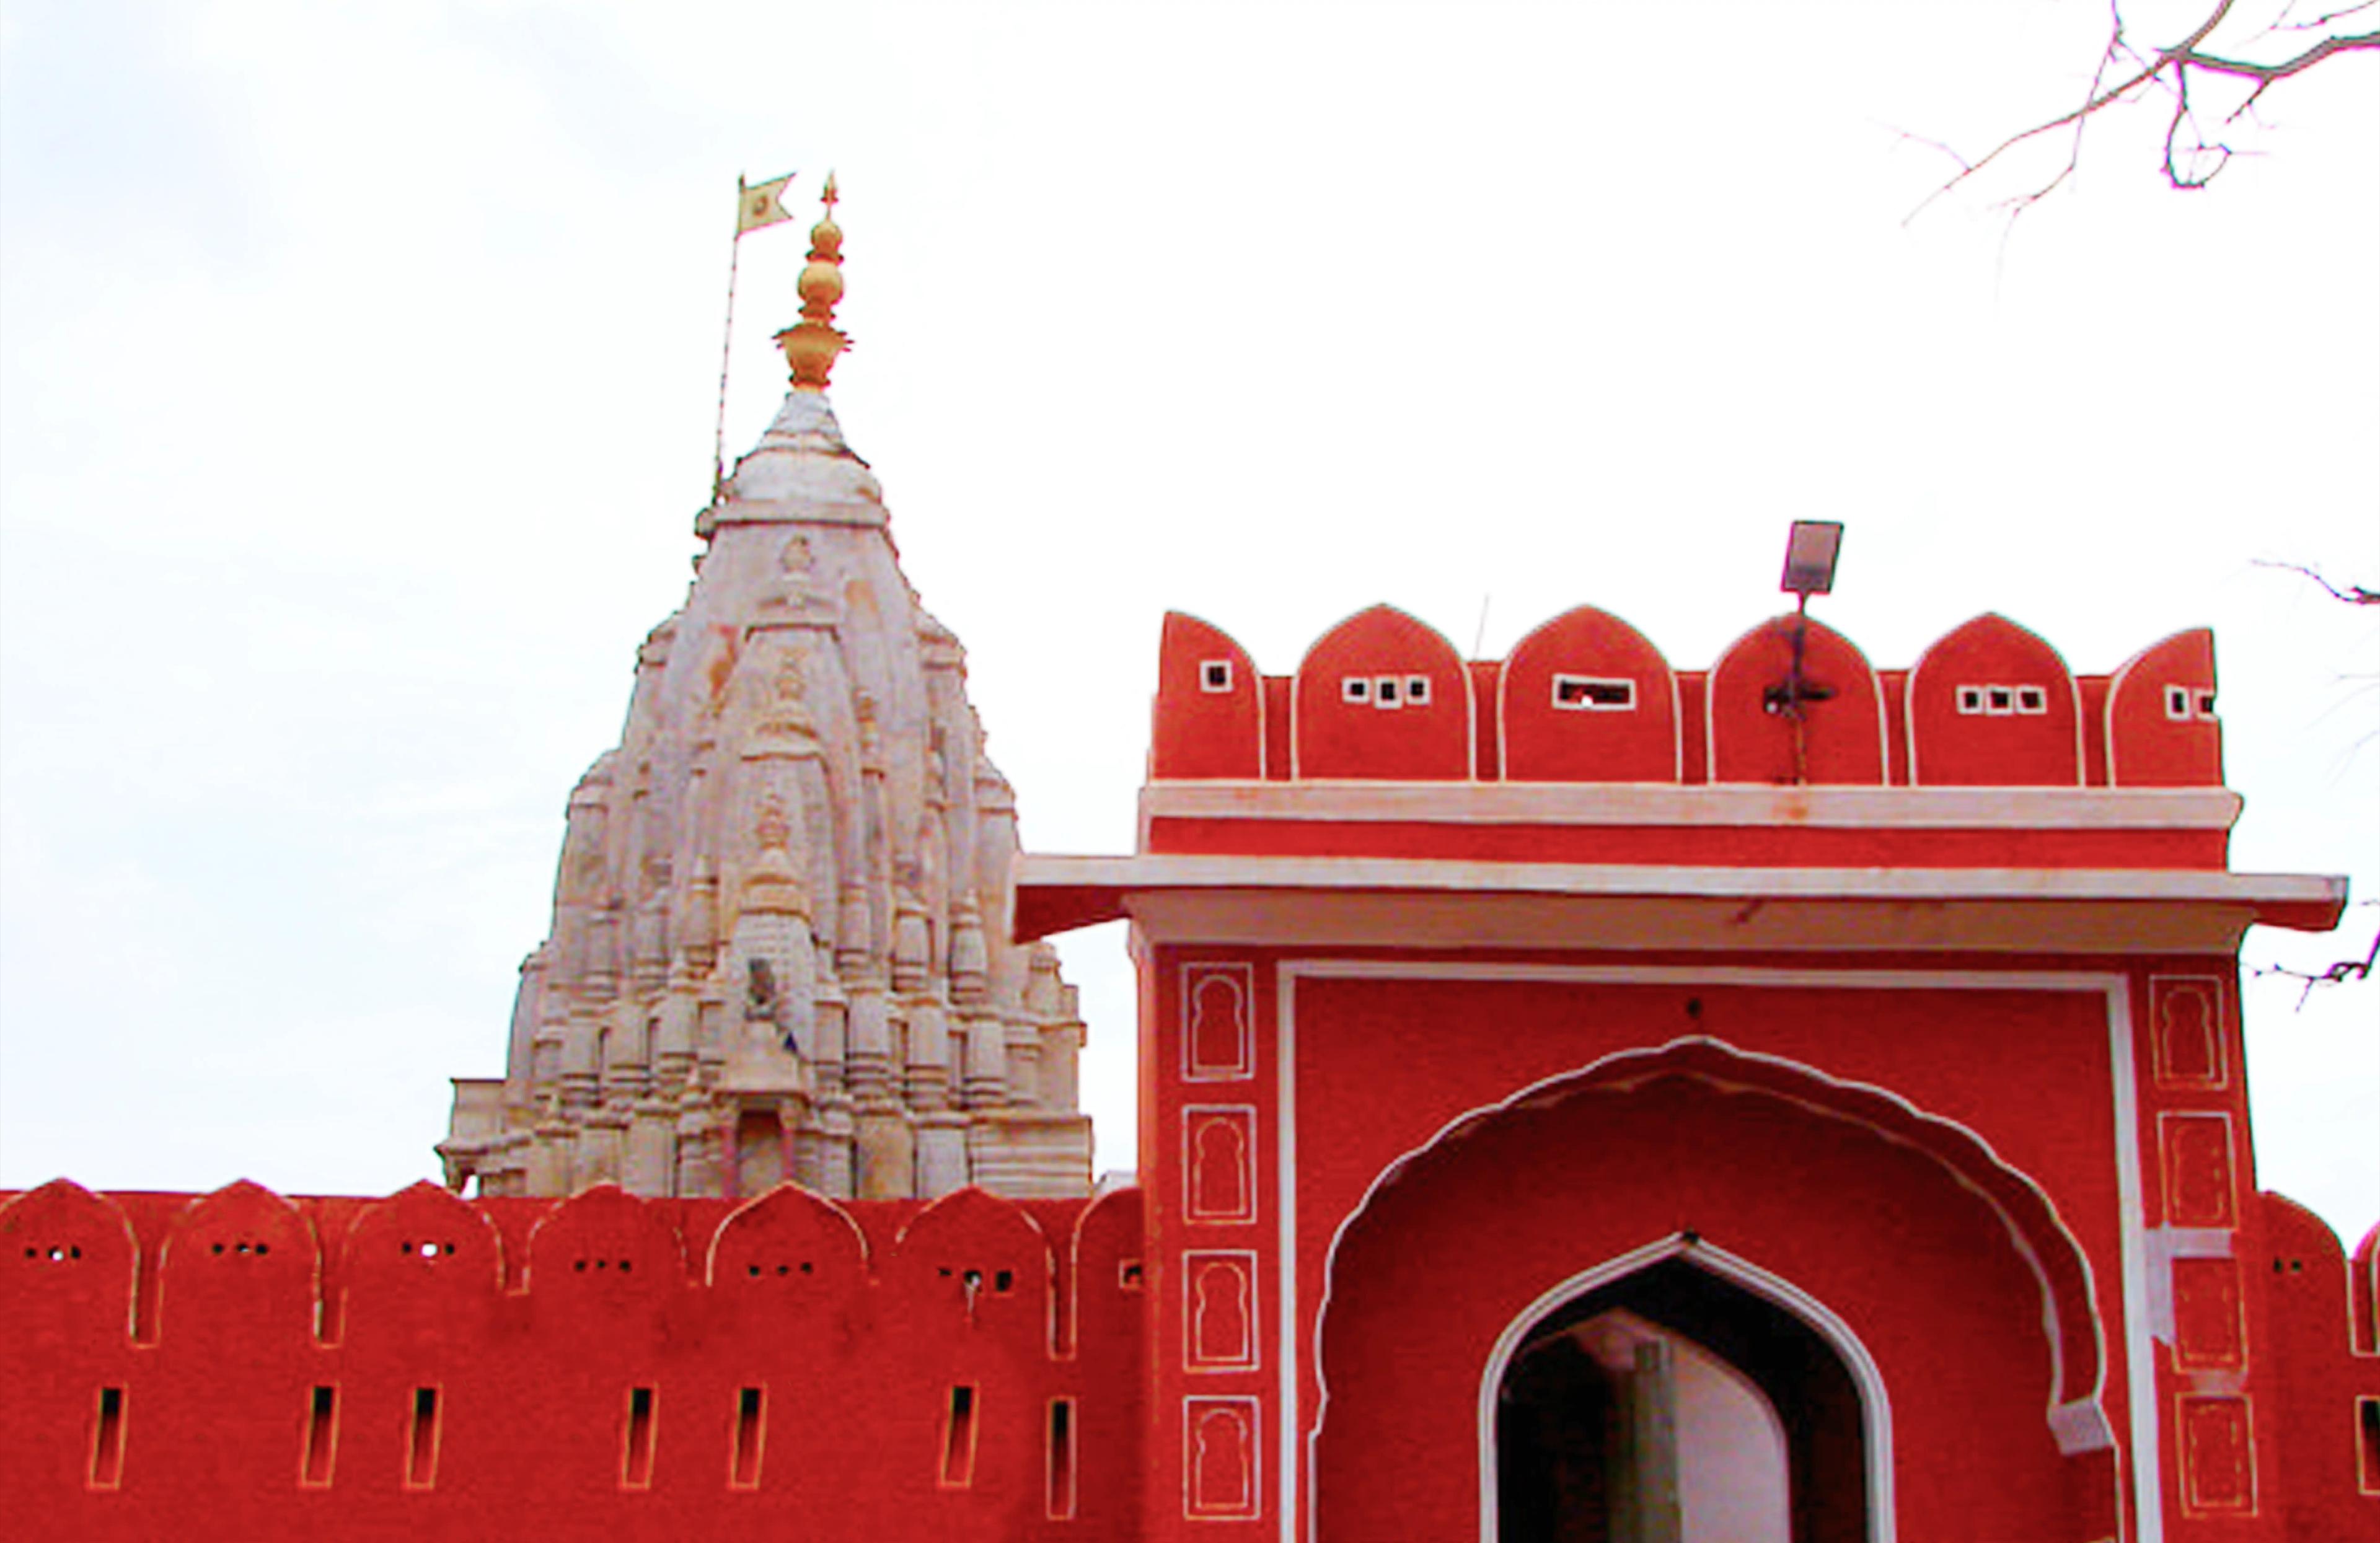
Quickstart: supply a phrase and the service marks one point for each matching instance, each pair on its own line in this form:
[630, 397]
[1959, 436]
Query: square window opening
[1356, 689]
[1215, 675]
[2206, 705]
[1999, 700]
[1417, 690]
[2032, 701]
[2177, 701]
[1971, 698]
[1384, 692]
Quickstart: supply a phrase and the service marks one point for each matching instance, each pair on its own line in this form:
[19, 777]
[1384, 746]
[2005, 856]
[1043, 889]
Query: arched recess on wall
[1902, 1228]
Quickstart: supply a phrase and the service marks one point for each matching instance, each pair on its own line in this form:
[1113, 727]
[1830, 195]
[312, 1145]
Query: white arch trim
[1876, 1405]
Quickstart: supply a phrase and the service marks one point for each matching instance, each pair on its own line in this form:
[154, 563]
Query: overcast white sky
[357, 382]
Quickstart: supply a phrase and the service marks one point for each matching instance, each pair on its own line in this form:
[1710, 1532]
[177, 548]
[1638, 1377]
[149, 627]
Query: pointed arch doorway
[1662, 1403]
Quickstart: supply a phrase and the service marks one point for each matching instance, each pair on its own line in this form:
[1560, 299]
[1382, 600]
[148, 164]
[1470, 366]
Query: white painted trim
[1875, 1404]
[1242, 978]
[1245, 1260]
[1167, 870]
[2115, 990]
[2220, 1028]
[1191, 1117]
[1858, 806]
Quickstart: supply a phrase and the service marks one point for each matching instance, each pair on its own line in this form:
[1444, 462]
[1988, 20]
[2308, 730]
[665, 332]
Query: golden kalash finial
[811, 344]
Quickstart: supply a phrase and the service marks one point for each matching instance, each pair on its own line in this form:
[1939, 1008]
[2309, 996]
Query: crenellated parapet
[428, 1362]
[1587, 698]
[780, 947]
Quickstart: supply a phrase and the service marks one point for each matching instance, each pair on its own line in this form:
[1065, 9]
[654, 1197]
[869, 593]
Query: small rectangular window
[1356, 689]
[322, 1438]
[2367, 1445]
[1384, 692]
[2177, 701]
[2206, 705]
[958, 1439]
[421, 1445]
[1999, 701]
[2032, 701]
[107, 1441]
[1594, 694]
[636, 1442]
[1128, 1275]
[751, 1430]
[1215, 675]
[1061, 1506]
[1417, 690]
[1971, 698]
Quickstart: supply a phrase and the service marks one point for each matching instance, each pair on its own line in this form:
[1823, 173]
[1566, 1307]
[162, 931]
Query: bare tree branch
[2338, 974]
[2353, 594]
[2191, 159]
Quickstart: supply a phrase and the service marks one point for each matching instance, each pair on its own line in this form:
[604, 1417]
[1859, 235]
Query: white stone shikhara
[780, 926]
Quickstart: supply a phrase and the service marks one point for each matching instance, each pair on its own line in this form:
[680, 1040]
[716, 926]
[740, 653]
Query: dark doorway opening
[1673, 1407]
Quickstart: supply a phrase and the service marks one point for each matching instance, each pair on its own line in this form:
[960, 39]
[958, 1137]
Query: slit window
[1061, 1506]
[1356, 689]
[107, 1441]
[322, 1438]
[2367, 1445]
[1594, 694]
[636, 1442]
[1417, 690]
[958, 1439]
[1215, 675]
[751, 1432]
[421, 1446]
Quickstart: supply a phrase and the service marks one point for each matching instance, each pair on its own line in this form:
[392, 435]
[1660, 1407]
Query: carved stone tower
[779, 945]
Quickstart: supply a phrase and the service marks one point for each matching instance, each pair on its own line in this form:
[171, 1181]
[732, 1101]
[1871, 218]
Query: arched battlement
[1749, 736]
[1585, 698]
[604, 1248]
[421, 1262]
[1991, 704]
[1382, 696]
[972, 1263]
[238, 1263]
[1208, 720]
[2161, 729]
[67, 1264]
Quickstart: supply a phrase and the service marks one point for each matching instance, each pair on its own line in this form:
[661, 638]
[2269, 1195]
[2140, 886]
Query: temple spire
[812, 344]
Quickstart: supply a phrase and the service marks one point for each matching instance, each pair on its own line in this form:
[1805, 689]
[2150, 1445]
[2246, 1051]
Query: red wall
[855, 1323]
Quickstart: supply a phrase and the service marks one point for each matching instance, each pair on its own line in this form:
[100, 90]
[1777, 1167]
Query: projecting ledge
[1394, 902]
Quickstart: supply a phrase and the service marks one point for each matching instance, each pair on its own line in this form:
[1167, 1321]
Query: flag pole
[726, 352]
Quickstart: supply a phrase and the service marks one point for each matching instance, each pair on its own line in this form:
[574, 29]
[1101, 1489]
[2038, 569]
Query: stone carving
[775, 944]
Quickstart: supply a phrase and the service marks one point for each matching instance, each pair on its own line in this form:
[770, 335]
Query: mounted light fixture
[1810, 554]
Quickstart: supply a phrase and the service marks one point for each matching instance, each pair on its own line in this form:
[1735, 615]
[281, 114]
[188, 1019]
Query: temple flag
[760, 204]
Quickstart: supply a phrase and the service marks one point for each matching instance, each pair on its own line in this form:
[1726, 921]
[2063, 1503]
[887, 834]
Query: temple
[777, 950]
[1581, 1098]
